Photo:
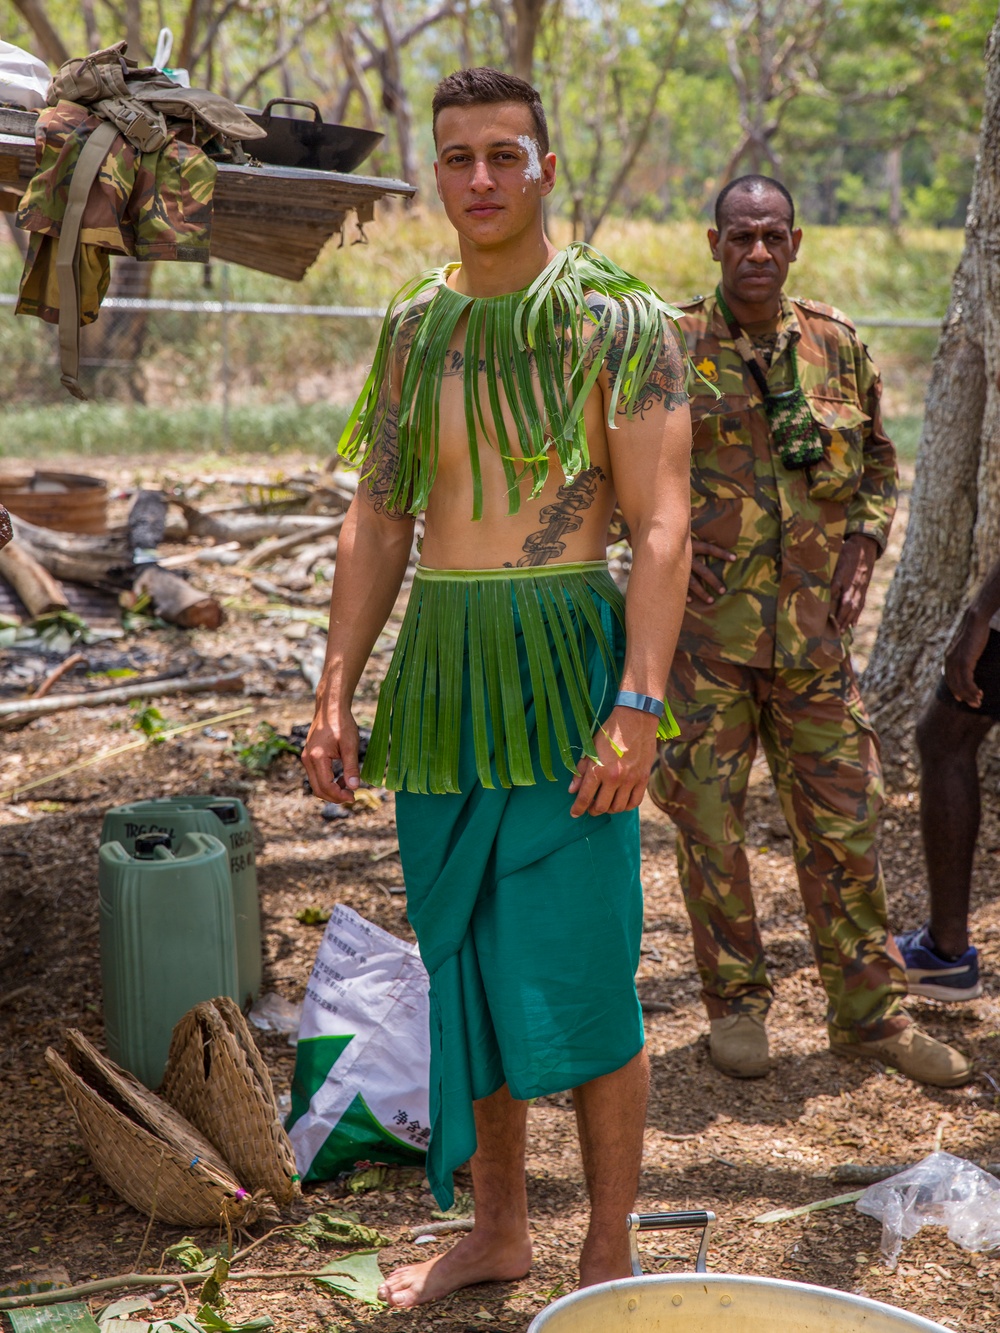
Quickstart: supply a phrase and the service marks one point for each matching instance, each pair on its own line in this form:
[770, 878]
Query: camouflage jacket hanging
[152, 205]
[786, 527]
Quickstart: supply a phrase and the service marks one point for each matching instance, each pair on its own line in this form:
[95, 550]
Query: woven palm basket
[147, 1153]
[216, 1078]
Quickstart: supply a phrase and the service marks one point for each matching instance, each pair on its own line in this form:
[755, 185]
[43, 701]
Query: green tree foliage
[868, 108]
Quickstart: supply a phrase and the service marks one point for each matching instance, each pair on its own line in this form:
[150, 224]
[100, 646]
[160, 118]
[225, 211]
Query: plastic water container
[168, 941]
[227, 819]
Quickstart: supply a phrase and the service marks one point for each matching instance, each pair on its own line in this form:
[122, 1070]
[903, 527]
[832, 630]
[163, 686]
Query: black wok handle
[265, 115]
[700, 1217]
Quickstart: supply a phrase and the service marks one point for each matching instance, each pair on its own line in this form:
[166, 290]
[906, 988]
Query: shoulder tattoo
[664, 387]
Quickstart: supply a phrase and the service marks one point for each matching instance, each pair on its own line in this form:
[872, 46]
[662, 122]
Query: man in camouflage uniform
[787, 524]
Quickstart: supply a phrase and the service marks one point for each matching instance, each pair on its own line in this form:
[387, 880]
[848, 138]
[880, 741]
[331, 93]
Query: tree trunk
[894, 183]
[528, 20]
[954, 529]
[50, 44]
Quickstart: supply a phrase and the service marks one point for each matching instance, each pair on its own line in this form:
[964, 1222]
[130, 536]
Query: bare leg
[949, 741]
[611, 1116]
[498, 1249]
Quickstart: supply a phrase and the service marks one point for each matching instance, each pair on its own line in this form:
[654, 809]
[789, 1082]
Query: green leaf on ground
[211, 1292]
[149, 720]
[358, 1277]
[125, 1326]
[189, 1255]
[122, 1309]
[214, 1323]
[378, 1176]
[464, 1206]
[180, 1323]
[313, 916]
[338, 1227]
[71, 1317]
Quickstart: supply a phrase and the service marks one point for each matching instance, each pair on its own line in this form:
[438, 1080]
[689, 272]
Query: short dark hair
[483, 86]
[751, 185]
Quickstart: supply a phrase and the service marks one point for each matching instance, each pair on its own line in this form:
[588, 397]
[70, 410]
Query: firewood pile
[197, 555]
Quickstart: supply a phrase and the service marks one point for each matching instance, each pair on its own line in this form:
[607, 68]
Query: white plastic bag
[24, 79]
[273, 1013]
[942, 1190]
[359, 1093]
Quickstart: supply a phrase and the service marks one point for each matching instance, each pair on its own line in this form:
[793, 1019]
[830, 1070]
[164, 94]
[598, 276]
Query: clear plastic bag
[273, 1013]
[942, 1190]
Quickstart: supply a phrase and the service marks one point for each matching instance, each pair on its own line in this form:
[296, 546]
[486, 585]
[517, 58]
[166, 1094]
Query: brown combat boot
[737, 1046]
[914, 1053]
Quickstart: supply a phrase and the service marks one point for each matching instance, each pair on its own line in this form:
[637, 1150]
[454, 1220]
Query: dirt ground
[740, 1149]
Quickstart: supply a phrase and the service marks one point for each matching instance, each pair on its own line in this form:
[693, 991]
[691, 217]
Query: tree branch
[50, 43]
[285, 50]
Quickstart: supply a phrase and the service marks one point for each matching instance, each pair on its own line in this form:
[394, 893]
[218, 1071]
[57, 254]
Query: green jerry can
[168, 941]
[229, 820]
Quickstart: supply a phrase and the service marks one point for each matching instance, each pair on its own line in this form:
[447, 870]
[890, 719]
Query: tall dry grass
[281, 370]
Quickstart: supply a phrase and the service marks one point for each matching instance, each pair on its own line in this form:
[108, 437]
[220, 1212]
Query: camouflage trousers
[824, 759]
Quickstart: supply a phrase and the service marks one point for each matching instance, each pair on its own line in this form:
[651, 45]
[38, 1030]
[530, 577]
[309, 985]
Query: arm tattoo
[379, 481]
[665, 385]
[563, 516]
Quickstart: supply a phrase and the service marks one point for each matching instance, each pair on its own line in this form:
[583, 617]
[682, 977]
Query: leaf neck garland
[549, 322]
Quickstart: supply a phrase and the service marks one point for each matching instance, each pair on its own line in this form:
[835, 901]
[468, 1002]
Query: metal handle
[637, 1222]
[292, 101]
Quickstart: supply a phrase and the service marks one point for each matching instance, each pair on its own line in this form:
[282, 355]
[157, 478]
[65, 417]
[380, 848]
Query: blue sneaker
[937, 978]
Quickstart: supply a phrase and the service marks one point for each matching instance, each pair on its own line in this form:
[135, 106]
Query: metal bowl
[702, 1302]
[719, 1303]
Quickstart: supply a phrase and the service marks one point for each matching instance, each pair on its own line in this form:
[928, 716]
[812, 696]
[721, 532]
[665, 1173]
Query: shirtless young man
[522, 887]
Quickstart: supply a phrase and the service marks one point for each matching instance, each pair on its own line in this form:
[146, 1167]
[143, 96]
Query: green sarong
[529, 921]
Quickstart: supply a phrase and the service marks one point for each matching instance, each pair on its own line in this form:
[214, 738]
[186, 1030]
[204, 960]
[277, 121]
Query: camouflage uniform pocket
[838, 473]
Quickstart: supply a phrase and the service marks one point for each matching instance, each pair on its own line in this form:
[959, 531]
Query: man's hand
[851, 579]
[703, 582]
[626, 748]
[330, 739]
[961, 657]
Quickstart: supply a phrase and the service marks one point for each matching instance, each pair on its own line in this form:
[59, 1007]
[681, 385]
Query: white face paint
[533, 171]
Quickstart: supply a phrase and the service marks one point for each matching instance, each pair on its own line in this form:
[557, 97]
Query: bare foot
[476, 1258]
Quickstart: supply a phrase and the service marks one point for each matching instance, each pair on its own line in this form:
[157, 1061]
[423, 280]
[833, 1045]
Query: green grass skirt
[461, 639]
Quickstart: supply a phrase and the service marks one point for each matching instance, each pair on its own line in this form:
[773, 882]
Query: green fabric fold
[462, 626]
[553, 321]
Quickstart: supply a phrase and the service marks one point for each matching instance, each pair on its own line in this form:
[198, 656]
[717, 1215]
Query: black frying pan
[309, 143]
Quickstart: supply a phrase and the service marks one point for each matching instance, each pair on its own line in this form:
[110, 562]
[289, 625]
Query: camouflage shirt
[786, 528]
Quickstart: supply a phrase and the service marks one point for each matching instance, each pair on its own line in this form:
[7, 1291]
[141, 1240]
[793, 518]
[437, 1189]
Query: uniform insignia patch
[709, 369]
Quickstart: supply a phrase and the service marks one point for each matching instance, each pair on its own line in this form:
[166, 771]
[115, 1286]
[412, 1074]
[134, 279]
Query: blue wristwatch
[645, 703]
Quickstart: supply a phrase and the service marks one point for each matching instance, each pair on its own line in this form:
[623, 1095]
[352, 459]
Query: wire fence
[376, 312]
[215, 374]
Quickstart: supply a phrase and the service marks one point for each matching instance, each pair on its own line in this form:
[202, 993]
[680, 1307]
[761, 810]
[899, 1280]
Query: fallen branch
[37, 589]
[268, 550]
[126, 1280]
[190, 557]
[100, 562]
[57, 674]
[657, 1007]
[177, 601]
[13, 792]
[784, 1214]
[270, 589]
[230, 683]
[249, 529]
[855, 1173]
[442, 1228]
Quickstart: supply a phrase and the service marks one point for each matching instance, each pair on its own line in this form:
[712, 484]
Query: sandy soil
[740, 1149]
